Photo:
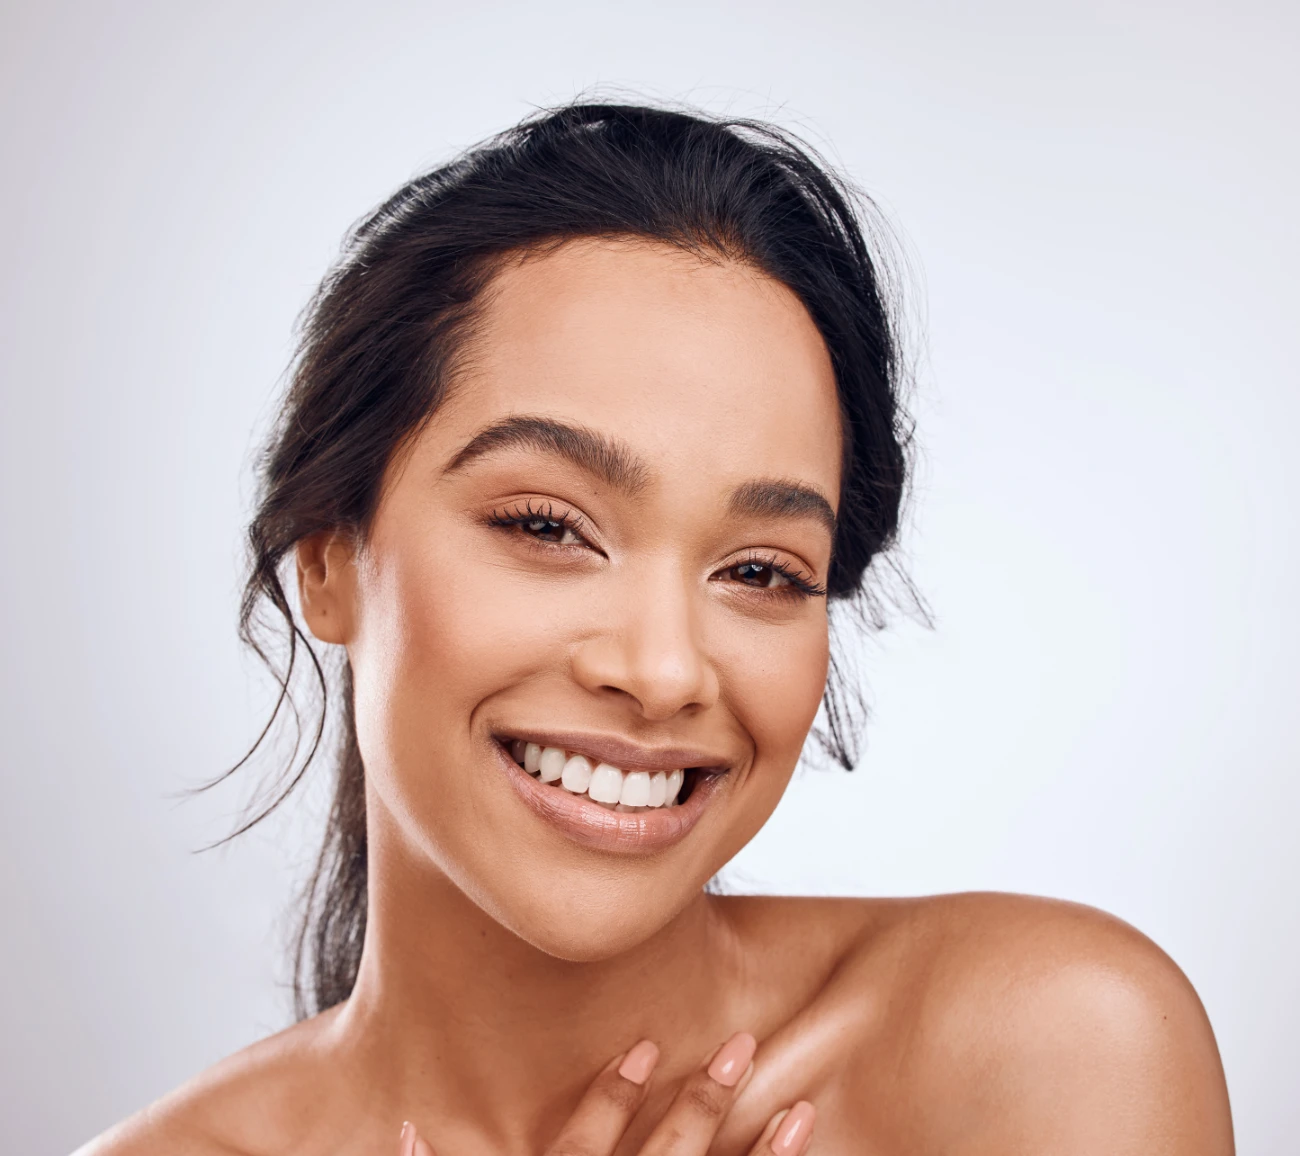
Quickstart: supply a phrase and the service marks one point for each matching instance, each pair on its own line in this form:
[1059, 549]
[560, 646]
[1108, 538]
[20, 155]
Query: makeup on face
[592, 610]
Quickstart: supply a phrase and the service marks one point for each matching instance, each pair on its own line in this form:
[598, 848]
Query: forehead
[703, 366]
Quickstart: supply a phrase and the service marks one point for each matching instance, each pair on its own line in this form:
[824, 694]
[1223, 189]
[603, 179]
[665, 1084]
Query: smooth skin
[506, 963]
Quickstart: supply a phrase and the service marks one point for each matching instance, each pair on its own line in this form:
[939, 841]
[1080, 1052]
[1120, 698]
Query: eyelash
[520, 516]
[799, 585]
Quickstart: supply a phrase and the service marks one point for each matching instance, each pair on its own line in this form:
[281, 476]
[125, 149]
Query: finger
[412, 1143]
[763, 1145]
[607, 1107]
[788, 1132]
[693, 1119]
[406, 1146]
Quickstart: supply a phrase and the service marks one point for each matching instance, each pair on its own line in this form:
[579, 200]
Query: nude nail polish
[422, 1148]
[794, 1131]
[639, 1062]
[732, 1059]
[407, 1145]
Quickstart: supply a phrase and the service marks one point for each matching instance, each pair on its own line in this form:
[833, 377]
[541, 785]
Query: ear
[327, 584]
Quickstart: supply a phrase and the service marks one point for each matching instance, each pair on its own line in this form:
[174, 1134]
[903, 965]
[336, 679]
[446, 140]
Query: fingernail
[407, 1146]
[732, 1060]
[639, 1062]
[421, 1148]
[792, 1136]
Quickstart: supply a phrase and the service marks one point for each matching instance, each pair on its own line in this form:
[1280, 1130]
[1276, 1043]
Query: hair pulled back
[379, 342]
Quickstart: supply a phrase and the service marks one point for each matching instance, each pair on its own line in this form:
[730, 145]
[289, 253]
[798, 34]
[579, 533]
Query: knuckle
[671, 1139]
[706, 1098]
[618, 1093]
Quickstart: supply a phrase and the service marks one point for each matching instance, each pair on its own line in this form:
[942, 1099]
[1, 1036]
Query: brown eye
[549, 530]
[541, 525]
[759, 574]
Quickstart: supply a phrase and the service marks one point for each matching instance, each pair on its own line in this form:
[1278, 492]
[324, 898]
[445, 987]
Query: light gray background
[1099, 204]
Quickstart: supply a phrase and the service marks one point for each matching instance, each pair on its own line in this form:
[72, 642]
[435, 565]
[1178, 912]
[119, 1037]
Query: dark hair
[379, 343]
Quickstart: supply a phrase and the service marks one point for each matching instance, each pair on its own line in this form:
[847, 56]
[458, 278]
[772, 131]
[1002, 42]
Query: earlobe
[326, 584]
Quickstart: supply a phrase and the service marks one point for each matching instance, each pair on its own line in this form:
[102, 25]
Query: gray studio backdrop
[1097, 201]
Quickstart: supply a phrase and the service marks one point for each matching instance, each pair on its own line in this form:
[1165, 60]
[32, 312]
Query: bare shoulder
[264, 1099]
[1034, 1025]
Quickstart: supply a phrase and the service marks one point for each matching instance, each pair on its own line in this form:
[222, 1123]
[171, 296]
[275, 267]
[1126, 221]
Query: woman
[587, 429]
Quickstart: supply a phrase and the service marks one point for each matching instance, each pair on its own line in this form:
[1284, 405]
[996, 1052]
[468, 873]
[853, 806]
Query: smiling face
[610, 542]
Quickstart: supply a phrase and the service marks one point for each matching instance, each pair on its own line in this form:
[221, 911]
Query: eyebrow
[775, 498]
[614, 463]
[609, 460]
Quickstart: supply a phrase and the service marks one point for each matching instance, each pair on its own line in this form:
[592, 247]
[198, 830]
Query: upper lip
[620, 752]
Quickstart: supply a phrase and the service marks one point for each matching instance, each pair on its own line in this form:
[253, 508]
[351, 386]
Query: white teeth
[636, 789]
[551, 764]
[674, 786]
[576, 776]
[606, 784]
[630, 791]
[658, 789]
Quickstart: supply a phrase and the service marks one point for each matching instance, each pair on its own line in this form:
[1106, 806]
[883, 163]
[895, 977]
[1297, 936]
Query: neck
[458, 1021]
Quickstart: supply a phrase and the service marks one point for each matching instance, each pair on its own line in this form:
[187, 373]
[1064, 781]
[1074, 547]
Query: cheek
[444, 627]
[436, 638]
[774, 679]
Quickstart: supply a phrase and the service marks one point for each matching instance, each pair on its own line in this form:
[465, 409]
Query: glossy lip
[601, 829]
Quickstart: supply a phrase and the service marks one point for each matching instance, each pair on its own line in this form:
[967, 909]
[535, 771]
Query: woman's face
[611, 543]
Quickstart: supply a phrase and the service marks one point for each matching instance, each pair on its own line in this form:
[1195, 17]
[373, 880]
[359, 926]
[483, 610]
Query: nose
[650, 649]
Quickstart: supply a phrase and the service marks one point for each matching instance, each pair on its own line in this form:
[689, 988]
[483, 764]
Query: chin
[588, 944]
[580, 927]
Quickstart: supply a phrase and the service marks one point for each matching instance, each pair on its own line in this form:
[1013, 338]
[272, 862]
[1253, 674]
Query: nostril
[664, 674]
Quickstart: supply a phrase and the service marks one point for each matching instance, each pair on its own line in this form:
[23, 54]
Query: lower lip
[601, 829]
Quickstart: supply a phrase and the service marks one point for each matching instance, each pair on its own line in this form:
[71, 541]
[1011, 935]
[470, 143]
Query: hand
[686, 1129]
